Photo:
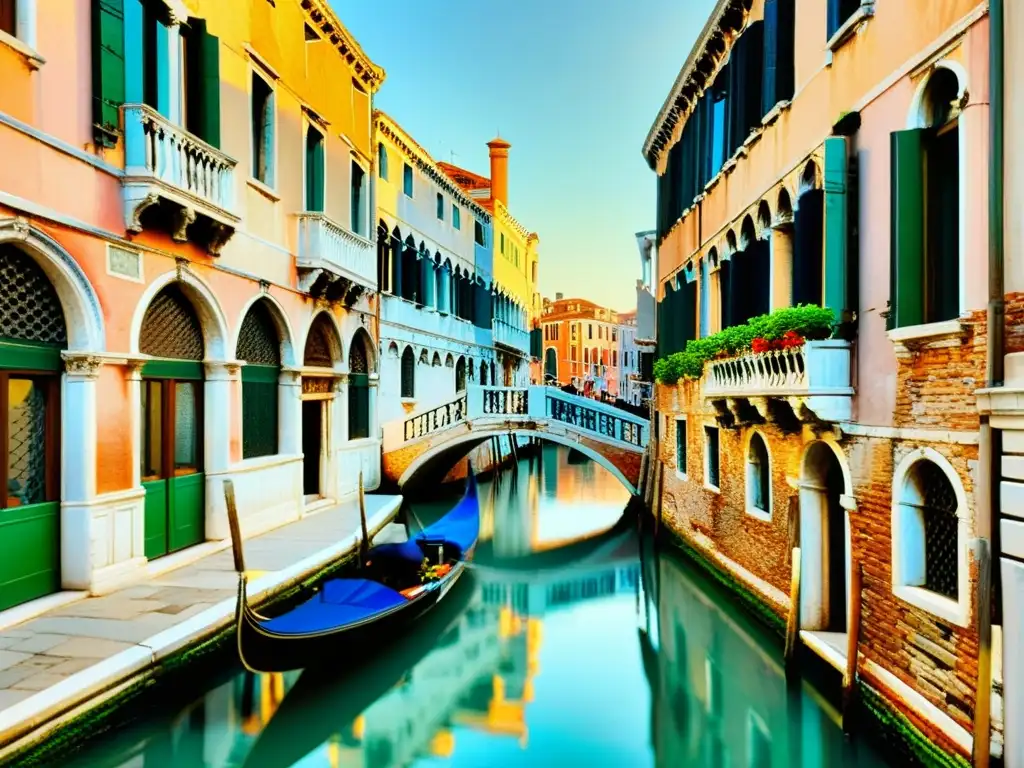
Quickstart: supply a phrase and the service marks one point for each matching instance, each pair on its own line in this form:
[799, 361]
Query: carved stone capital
[82, 366]
[136, 207]
[222, 370]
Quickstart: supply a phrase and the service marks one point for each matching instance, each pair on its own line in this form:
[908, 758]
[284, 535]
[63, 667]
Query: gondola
[347, 618]
[321, 705]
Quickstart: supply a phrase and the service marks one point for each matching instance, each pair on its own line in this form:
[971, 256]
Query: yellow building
[515, 249]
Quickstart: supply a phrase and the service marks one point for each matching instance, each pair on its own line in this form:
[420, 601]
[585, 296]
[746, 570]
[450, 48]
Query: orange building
[581, 345]
[184, 298]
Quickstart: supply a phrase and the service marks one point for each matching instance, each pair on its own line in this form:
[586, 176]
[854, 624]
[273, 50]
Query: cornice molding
[503, 215]
[727, 19]
[387, 126]
[327, 22]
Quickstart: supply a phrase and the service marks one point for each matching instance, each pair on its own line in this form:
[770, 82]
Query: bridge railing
[534, 404]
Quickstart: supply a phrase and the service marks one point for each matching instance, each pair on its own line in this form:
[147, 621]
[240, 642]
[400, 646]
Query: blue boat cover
[460, 528]
[340, 602]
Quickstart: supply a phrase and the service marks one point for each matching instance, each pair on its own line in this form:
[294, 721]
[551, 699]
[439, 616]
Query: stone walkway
[60, 659]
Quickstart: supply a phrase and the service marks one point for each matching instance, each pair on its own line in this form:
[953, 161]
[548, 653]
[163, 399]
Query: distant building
[646, 313]
[630, 388]
[581, 346]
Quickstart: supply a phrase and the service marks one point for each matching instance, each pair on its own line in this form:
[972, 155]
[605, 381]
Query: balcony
[176, 182]
[333, 262]
[511, 337]
[811, 383]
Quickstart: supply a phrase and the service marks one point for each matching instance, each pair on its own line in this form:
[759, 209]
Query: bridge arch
[472, 439]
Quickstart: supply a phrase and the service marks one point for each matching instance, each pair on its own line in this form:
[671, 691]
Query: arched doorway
[824, 542]
[259, 345]
[172, 423]
[33, 332]
[322, 350]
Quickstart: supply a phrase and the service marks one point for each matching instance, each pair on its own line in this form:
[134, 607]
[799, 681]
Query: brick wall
[935, 658]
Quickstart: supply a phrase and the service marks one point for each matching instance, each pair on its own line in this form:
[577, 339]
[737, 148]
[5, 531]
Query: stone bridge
[613, 438]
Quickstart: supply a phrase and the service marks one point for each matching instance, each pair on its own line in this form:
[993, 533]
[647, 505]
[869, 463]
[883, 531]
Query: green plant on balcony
[783, 328]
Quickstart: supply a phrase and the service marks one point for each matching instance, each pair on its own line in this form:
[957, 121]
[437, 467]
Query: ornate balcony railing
[815, 378]
[628, 429]
[325, 244]
[163, 160]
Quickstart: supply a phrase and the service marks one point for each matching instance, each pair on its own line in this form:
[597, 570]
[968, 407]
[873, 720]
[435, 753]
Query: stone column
[78, 469]
[782, 265]
[289, 405]
[220, 382]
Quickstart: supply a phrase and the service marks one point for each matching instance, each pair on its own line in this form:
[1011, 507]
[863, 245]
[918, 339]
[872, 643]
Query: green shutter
[358, 406]
[907, 230]
[836, 227]
[107, 69]
[259, 410]
[208, 84]
[314, 170]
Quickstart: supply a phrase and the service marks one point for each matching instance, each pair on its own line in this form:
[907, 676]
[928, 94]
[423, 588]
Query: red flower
[791, 340]
[760, 345]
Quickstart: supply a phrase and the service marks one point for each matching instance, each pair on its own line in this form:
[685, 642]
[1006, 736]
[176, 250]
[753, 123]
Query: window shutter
[836, 224]
[785, 50]
[203, 88]
[107, 69]
[725, 299]
[838, 12]
[771, 56]
[808, 220]
[314, 171]
[358, 406]
[688, 313]
[753, 61]
[906, 222]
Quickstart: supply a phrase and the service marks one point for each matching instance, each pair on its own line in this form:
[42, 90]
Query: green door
[29, 482]
[172, 462]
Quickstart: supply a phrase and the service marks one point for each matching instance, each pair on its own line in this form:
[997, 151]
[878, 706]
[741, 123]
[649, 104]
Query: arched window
[30, 315]
[359, 387]
[460, 375]
[929, 542]
[383, 258]
[259, 345]
[483, 373]
[408, 373]
[382, 161]
[759, 483]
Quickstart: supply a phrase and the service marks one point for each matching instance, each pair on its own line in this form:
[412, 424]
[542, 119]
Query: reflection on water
[532, 661]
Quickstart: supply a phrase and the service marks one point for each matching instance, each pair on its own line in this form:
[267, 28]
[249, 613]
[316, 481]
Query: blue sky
[574, 85]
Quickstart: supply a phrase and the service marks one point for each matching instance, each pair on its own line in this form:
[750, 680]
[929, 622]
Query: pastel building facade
[629, 387]
[436, 272]
[515, 268]
[188, 288]
[835, 154]
[581, 345]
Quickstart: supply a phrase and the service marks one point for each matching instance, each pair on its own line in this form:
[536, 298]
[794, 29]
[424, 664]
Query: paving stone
[9, 698]
[89, 648]
[38, 643]
[39, 682]
[70, 666]
[109, 607]
[10, 658]
[14, 675]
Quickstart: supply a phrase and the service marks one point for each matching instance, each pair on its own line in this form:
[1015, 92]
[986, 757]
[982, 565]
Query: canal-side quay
[70, 669]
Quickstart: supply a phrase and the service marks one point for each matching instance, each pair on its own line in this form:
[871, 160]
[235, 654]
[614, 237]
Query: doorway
[312, 447]
[824, 545]
[172, 463]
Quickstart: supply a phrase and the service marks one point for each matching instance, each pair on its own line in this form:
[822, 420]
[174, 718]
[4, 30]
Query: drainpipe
[989, 441]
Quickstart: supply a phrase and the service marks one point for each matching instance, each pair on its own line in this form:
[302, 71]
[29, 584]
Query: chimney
[559, 296]
[499, 169]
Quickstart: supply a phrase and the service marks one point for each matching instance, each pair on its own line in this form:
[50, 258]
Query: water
[563, 646]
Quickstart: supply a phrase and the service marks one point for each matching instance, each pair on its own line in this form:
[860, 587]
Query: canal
[565, 645]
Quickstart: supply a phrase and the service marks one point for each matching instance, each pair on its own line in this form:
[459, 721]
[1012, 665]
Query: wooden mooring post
[852, 645]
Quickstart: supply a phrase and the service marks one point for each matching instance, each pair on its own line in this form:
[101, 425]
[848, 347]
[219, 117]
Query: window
[440, 206]
[8, 19]
[262, 130]
[408, 373]
[574, 332]
[615, 334]
[314, 170]
[357, 198]
[572, 354]
[758, 478]
[925, 212]
[590, 330]
[478, 233]
[839, 12]
[407, 179]
[759, 742]
[681, 446]
[615, 358]
[929, 541]
[533, 271]
[711, 457]
[382, 161]
[259, 346]
[358, 388]
[502, 242]
[456, 217]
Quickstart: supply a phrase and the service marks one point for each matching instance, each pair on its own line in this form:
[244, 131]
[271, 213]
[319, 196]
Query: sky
[574, 85]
